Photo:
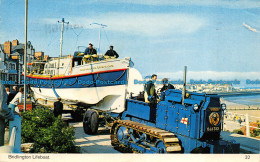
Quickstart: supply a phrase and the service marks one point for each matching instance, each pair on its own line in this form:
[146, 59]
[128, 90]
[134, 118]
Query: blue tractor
[182, 122]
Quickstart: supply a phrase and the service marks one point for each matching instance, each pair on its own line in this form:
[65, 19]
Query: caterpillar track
[129, 136]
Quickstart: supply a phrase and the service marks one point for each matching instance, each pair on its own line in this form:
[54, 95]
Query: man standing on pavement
[5, 113]
[58, 108]
[19, 97]
[7, 90]
[12, 95]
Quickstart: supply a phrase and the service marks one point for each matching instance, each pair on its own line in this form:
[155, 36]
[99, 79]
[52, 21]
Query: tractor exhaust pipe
[184, 84]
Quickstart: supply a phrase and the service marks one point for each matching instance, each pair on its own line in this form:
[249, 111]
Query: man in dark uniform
[166, 85]
[12, 95]
[111, 52]
[58, 107]
[150, 96]
[90, 50]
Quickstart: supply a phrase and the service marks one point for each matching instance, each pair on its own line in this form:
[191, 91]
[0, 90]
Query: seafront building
[12, 61]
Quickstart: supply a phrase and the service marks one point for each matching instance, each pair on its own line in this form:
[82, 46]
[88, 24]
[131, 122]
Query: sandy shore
[231, 105]
[254, 115]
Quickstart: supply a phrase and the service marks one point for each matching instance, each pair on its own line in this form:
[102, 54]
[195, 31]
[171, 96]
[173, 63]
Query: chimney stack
[15, 42]
[7, 48]
[39, 55]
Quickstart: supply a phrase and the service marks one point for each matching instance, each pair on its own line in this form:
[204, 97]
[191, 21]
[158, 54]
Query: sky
[215, 39]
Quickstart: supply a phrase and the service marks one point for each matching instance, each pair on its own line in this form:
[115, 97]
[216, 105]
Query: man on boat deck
[111, 52]
[90, 50]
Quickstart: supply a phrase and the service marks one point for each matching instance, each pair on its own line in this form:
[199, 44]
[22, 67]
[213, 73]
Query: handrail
[12, 137]
[14, 145]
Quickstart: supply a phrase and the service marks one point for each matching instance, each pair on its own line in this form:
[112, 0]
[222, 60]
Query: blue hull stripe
[92, 80]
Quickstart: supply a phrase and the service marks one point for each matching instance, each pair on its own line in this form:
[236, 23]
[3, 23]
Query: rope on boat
[113, 80]
[88, 85]
[76, 80]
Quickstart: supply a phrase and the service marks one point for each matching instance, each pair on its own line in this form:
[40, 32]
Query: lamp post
[25, 53]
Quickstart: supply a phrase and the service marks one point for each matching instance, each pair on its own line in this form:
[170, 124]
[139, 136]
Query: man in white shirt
[18, 97]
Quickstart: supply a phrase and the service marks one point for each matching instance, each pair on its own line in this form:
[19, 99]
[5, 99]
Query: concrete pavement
[246, 143]
[99, 143]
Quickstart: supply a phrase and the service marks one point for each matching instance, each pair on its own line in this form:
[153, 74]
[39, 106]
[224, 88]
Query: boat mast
[61, 40]
[100, 26]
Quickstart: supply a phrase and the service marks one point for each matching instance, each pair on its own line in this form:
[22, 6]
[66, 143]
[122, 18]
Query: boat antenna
[61, 39]
[100, 26]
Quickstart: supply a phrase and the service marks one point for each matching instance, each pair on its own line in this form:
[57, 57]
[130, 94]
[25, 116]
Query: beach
[254, 113]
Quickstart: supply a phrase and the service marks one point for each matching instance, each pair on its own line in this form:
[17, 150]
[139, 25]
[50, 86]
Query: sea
[245, 100]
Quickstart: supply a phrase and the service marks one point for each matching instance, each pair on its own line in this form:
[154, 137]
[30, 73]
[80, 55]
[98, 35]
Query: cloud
[210, 75]
[222, 3]
[149, 24]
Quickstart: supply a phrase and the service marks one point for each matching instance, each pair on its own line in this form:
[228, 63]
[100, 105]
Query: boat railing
[63, 57]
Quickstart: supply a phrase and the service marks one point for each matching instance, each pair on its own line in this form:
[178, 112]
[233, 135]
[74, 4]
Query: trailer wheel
[90, 122]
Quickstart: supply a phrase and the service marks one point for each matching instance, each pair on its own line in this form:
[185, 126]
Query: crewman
[150, 94]
[111, 52]
[91, 53]
[58, 107]
[90, 50]
[150, 97]
[166, 85]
